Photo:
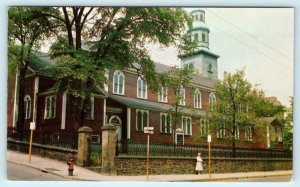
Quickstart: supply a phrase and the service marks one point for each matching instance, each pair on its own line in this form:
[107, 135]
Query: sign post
[148, 131]
[32, 126]
[209, 140]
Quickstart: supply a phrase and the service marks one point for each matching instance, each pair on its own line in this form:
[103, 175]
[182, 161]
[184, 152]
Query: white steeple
[202, 60]
[199, 31]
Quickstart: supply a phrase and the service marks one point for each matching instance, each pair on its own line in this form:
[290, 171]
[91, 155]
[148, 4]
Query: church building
[127, 102]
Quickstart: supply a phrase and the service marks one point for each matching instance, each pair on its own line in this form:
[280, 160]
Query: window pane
[145, 119]
[163, 125]
[169, 124]
[139, 120]
[116, 83]
[121, 84]
[188, 126]
[53, 102]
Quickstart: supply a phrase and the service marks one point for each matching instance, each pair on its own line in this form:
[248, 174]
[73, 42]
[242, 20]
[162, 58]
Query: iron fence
[138, 148]
[64, 139]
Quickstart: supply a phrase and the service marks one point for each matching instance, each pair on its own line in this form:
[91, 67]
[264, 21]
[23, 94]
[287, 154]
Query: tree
[116, 39]
[232, 108]
[288, 127]
[26, 31]
[239, 105]
[177, 79]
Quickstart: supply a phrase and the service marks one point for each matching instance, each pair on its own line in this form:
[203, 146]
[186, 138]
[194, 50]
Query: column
[108, 149]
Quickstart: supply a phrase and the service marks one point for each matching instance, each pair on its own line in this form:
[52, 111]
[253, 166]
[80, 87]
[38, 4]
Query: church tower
[202, 60]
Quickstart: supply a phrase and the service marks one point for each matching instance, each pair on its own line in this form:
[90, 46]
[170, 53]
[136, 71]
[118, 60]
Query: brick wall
[169, 165]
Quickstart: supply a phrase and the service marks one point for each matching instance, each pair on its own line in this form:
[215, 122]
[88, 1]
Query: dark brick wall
[165, 165]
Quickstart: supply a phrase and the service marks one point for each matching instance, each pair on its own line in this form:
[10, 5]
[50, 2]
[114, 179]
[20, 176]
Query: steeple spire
[199, 31]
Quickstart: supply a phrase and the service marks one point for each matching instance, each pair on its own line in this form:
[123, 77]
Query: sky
[257, 39]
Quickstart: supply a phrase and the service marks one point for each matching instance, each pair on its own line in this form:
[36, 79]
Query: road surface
[17, 172]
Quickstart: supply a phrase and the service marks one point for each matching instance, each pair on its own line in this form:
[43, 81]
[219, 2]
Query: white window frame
[237, 132]
[212, 99]
[163, 94]
[248, 133]
[221, 132]
[279, 137]
[141, 92]
[181, 95]
[143, 125]
[197, 99]
[92, 101]
[119, 74]
[166, 121]
[184, 126]
[27, 107]
[52, 105]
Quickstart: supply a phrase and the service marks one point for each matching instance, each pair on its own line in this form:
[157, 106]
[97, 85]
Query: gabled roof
[196, 79]
[43, 60]
[156, 106]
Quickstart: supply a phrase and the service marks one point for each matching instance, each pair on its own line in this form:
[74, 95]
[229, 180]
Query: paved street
[60, 169]
[286, 178]
[17, 172]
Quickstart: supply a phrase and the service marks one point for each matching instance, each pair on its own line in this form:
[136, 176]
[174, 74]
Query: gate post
[83, 152]
[109, 149]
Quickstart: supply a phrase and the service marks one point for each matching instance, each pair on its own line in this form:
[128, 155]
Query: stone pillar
[83, 154]
[109, 149]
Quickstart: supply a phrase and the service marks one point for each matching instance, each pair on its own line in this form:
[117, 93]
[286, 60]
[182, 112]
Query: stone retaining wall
[51, 152]
[167, 165]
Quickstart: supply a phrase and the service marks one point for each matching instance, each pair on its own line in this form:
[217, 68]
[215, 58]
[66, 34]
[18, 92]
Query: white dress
[199, 166]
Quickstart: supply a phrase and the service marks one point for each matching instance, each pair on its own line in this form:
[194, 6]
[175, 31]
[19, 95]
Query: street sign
[209, 138]
[32, 125]
[149, 130]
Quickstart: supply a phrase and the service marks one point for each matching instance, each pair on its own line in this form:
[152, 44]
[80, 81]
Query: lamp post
[148, 131]
[209, 140]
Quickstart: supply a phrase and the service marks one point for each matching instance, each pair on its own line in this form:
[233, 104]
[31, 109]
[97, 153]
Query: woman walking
[199, 166]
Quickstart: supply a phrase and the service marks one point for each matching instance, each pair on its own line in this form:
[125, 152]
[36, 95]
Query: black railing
[61, 138]
[137, 148]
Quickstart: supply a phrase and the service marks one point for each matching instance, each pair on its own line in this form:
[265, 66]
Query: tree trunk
[21, 120]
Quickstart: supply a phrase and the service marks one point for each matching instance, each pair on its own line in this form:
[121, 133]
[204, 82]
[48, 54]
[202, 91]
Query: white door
[116, 121]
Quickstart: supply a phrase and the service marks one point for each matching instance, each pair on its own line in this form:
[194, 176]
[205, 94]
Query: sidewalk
[61, 169]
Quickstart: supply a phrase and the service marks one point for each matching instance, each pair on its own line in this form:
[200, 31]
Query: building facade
[127, 103]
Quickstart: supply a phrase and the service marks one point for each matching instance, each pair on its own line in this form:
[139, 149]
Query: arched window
[187, 125]
[50, 107]
[115, 120]
[181, 95]
[142, 121]
[163, 94]
[141, 88]
[197, 99]
[27, 107]
[118, 83]
[212, 99]
[89, 108]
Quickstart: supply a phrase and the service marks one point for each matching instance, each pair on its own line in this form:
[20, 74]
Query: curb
[184, 180]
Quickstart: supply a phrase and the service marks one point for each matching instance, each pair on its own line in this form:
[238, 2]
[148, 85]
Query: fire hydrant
[71, 166]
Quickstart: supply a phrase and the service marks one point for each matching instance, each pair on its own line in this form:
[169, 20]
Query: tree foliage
[27, 29]
[112, 38]
[288, 127]
[239, 105]
[177, 79]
